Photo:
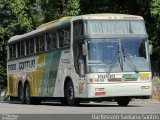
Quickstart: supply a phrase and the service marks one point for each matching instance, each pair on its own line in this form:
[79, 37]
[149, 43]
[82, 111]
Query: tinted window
[78, 29]
[31, 46]
[51, 40]
[22, 46]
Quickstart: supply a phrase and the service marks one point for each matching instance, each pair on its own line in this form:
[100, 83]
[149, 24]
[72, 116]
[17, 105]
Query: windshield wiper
[130, 62]
[115, 59]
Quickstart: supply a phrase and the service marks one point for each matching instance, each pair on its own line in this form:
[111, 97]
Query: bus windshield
[117, 55]
[115, 27]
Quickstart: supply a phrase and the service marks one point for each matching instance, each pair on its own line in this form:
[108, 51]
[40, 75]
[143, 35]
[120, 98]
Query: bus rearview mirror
[150, 48]
[84, 50]
[81, 70]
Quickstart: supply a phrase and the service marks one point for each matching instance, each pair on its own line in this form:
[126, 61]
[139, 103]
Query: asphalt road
[58, 112]
[88, 108]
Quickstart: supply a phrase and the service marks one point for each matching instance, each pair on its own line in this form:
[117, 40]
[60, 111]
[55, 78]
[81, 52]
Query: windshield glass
[117, 55]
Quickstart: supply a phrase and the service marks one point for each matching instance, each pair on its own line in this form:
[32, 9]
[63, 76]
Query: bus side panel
[50, 74]
[12, 85]
[67, 69]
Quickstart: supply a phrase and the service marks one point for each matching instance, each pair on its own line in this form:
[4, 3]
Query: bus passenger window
[14, 51]
[67, 36]
[61, 38]
[27, 47]
[10, 51]
[37, 44]
[41, 43]
[18, 49]
[22, 46]
[49, 41]
[54, 40]
[31, 46]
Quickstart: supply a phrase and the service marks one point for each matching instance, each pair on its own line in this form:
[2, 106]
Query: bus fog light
[144, 87]
[99, 89]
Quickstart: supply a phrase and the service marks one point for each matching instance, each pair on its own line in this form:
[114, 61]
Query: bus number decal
[105, 76]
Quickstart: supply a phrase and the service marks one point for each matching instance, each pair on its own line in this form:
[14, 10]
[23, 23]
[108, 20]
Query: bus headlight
[144, 87]
[91, 80]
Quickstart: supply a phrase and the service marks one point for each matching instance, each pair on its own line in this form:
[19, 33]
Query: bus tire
[71, 100]
[11, 99]
[64, 101]
[28, 98]
[21, 96]
[123, 101]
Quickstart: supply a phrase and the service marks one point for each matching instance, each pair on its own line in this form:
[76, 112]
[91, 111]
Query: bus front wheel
[70, 95]
[123, 101]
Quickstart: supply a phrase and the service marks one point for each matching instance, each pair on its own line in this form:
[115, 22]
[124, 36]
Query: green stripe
[50, 73]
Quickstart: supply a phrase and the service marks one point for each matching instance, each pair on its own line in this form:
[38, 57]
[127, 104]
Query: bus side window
[67, 36]
[31, 46]
[14, 50]
[18, 49]
[41, 43]
[27, 46]
[37, 44]
[61, 38]
[54, 40]
[10, 51]
[22, 48]
[49, 41]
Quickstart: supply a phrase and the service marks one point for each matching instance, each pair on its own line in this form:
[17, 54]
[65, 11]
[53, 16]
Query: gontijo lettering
[27, 64]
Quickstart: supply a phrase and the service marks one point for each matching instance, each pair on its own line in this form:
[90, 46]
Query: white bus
[96, 57]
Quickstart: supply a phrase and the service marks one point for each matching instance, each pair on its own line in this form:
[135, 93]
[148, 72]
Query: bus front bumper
[119, 89]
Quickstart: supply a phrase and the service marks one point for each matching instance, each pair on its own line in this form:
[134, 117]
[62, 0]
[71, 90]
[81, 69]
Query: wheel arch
[19, 83]
[26, 82]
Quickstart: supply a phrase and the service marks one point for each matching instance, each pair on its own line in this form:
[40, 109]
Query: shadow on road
[103, 104]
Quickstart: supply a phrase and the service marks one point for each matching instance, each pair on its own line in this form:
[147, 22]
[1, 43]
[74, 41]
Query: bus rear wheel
[27, 94]
[28, 98]
[21, 96]
[70, 95]
[123, 101]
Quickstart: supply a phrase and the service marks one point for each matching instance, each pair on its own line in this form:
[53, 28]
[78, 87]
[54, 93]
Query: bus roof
[108, 16]
[64, 20]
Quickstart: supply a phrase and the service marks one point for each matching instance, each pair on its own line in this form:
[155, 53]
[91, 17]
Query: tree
[155, 11]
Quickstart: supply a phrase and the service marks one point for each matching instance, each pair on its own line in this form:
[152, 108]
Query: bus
[94, 57]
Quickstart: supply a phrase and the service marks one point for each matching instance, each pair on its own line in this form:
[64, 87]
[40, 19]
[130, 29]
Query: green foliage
[155, 7]
[155, 11]
[27, 12]
[73, 7]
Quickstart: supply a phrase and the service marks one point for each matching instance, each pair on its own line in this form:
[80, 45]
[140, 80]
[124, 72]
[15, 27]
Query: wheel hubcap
[27, 93]
[21, 93]
[70, 93]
